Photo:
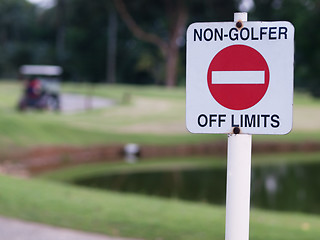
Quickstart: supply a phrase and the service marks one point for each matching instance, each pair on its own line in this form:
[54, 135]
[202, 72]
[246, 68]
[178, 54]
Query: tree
[176, 13]
[85, 39]
[305, 17]
[112, 46]
[61, 31]
[17, 18]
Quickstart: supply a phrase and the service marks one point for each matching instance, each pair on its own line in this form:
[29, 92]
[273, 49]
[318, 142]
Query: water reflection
[287, 187]
[294, 187]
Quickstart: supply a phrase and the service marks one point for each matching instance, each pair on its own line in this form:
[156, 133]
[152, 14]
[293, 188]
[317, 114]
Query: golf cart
[41, 88]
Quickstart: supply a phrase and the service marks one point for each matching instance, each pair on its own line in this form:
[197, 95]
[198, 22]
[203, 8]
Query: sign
[245, 81]
[240, 77]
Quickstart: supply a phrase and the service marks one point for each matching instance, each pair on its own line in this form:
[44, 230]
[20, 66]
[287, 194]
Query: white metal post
[238, 180]
[238, 187]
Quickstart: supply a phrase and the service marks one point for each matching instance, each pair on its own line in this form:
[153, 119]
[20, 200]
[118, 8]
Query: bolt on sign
[240, 77]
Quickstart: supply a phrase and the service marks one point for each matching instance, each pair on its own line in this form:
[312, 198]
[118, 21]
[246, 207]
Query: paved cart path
[12, 229]
[72, 103]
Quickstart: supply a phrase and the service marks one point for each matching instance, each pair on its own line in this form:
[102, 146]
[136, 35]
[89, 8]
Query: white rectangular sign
[240, 77]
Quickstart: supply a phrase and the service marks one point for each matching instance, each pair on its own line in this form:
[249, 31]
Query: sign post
[238, 187]
[238, 179]
[239, 82]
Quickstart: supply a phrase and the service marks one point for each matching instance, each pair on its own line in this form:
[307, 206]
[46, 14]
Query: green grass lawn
[148, 107]
[140, 217]
[143, 114]
[146, 115]
[198, 220]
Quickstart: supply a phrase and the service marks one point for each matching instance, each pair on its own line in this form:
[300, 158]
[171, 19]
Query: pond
[284, 187]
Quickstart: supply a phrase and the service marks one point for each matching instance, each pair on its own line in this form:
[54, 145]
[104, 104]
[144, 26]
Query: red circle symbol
[238, 77]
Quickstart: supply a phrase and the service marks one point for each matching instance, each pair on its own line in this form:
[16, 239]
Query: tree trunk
[171, 66]
[177, 16]
[61, 32]
[111, 46]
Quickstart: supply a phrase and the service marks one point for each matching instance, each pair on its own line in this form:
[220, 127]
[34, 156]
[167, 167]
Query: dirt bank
[40, 159]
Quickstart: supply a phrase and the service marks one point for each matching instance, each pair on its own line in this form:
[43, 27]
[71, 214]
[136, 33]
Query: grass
[140, 217]
[152, 107]
[143, 114]
[146, 165]
[95, 169]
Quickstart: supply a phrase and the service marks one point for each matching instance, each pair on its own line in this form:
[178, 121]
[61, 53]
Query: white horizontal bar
[237, 77]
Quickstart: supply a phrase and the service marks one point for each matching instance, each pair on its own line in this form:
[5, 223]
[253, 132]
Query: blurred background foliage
[94, 41]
